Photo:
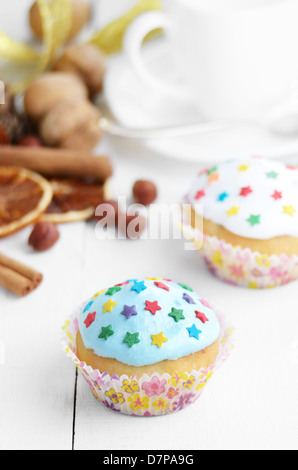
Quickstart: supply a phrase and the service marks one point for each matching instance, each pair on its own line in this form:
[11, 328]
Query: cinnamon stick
[17, 277]
[57, 161]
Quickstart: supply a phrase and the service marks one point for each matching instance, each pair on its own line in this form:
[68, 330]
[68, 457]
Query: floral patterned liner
[147, 395]
[242, 267]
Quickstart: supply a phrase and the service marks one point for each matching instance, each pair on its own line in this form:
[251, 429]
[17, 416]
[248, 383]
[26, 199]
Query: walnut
[86, 61]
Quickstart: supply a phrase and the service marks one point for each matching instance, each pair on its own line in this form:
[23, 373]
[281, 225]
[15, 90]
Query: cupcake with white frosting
[147, 347]
[248, 212]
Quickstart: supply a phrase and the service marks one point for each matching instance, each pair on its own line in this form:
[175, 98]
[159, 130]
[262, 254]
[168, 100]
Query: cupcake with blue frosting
[147, 347]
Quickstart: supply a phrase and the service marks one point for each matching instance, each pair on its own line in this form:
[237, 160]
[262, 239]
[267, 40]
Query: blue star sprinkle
[194, 332]
[139, 286]
[222, 197]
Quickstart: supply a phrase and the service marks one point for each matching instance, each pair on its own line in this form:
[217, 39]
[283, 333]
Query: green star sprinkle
[272, 174]
[131, 339]
[254, 220]
[106, 332]
[177, 314]
[212, 170]
[184, 286]
[113, 290]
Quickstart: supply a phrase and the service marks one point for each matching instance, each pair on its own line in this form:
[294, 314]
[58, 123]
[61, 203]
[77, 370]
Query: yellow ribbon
[109, 39]
[56, 17]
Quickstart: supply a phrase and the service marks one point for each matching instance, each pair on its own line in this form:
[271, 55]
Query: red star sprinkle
[90, 319]
[160, 285]
[200, 195]
[201, 316]
[152, 307]
[246, 191]
[277, 195]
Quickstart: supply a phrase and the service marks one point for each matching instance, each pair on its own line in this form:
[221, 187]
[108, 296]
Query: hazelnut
[44, 236]
[88, 62]
[144, 192]
[81, 12]
[71, 124]
[50, 89]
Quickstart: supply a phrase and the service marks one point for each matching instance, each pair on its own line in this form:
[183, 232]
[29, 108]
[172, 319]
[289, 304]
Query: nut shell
[144, 192]
[50, 89]
[71, 124]
[88, 62]
[44, 236]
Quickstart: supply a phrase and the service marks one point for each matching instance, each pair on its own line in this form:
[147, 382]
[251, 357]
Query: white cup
[238, 58]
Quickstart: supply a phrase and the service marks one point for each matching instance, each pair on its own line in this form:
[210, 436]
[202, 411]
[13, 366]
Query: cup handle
[132, 47]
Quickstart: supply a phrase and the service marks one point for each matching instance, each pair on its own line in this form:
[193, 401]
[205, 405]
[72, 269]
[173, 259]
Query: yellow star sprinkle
[108, 306]
[289, 210]
[98, 294]
[233, 211]
[158, 340]
[154, 278]
[243, 168]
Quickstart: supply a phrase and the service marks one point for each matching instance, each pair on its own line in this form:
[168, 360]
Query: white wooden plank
[37, 384]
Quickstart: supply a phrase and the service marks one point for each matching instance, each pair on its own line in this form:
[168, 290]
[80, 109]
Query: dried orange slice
[73, 200]
[24, 196]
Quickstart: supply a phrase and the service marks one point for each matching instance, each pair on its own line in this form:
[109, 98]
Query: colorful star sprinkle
[109, 306]
[223, 196]
[139, 286]
[161, 285]
[113, 290]
[254, 220]
[188, 299]
[201, 316]
[90, 319]
[186, 287]
[194, 332]
[200, 194]
[243, 168]
[277, 195]
[289, 210]
[213, 177]
[177, 315]
[128, 312]
[272, 175]
[106, 332]
[88, 306]
[246, 191]
[233, 211]
[158, 340]
[152, 307]
[131, 339]
[205, 303]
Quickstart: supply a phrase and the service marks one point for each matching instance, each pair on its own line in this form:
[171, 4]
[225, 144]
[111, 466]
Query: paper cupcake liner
[242, 267]
[153, 395]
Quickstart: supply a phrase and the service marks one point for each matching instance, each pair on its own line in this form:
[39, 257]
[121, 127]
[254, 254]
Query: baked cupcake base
[201, 359]
[151, 394]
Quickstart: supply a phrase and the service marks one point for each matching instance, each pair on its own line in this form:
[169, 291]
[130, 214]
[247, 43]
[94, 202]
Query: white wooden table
[251, 403]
